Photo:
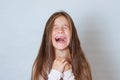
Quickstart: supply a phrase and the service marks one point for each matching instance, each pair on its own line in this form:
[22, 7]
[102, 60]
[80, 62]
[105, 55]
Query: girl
[60, 55]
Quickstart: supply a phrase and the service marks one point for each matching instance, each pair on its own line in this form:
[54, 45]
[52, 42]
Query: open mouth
[60, 39]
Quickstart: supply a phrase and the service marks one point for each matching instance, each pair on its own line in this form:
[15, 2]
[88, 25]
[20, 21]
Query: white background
[22, 23]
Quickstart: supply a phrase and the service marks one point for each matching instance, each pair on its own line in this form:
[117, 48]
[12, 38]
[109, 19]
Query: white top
[56, 75]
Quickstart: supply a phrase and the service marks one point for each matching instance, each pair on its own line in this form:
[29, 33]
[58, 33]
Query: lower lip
[60, 42]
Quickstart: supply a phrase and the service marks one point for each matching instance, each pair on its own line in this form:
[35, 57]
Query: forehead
[61, 20]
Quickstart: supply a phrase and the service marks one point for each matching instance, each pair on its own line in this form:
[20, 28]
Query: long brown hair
[43, 62]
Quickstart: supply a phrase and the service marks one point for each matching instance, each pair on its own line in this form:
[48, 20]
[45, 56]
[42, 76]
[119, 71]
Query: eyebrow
[67, 25]
[64, 24]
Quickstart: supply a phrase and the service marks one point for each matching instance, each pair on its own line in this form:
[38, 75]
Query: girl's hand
[67, 67]
[59, 64]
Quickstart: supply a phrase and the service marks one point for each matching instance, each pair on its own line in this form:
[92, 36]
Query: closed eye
[55, 27]
[65, 27]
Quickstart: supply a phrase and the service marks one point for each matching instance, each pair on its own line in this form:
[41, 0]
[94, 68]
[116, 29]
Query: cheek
[53, 35]
[68, 33]
[54, 32]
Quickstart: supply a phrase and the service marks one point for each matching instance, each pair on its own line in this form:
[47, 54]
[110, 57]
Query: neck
[62, 53]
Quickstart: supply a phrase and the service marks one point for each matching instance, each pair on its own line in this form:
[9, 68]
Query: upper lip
[59, 37]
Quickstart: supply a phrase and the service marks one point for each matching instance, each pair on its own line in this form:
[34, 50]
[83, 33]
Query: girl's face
[61, 33]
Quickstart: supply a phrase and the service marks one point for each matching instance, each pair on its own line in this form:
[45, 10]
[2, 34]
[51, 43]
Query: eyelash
[55, 27]
[64, 27]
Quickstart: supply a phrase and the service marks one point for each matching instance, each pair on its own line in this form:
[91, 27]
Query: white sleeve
[55, 75]
[68, 75]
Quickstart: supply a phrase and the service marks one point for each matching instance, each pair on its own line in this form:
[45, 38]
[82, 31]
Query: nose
[61, 30]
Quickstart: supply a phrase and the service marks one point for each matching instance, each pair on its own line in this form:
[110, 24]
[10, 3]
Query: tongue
[60, 39]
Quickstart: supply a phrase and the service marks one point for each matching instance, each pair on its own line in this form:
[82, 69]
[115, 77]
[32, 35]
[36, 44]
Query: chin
[60, 47]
